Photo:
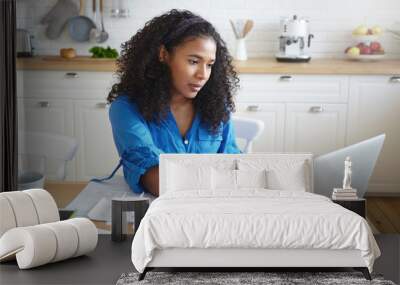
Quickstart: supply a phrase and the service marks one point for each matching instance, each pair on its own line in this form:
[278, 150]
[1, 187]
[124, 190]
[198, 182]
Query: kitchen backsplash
[331, 22]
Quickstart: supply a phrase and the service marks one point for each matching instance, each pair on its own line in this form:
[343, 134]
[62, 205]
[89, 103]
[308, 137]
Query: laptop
[329, 168]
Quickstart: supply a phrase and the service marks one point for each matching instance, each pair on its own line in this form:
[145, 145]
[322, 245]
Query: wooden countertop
[79, 63]
[252, 65]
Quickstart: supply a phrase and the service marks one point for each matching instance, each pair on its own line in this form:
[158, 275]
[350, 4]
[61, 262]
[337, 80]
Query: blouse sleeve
[133, 141]
[228, 144]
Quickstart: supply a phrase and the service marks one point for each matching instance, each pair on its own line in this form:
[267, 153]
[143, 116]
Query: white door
[272, 114]
[374, 108]
[52, 116]
[97, 155]
[316, 128]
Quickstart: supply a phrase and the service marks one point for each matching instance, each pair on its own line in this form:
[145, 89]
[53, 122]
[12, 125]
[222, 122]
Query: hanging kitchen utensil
[58, 16]
[79, 27]
[94, 32]
[103, 34]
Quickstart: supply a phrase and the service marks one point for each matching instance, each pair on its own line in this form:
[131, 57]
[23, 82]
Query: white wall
[331, 22]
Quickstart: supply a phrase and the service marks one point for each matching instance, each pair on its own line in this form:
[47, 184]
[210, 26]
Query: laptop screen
[329, 168]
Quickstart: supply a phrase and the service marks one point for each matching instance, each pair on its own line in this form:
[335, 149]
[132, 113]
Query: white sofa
[31, 231]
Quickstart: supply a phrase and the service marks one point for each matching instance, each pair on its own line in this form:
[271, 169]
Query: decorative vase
[241, 52]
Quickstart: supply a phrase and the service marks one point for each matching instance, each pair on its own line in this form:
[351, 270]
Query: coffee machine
[294, 40]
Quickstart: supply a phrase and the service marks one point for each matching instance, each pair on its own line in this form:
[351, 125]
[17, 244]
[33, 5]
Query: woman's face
[190, 64]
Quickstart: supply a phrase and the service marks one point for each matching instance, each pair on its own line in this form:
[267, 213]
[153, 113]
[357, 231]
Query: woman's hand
[150, 181]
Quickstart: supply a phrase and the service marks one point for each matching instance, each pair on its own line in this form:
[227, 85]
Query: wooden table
[64, 192]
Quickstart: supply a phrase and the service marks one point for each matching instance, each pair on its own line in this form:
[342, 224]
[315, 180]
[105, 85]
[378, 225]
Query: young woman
[174, 96]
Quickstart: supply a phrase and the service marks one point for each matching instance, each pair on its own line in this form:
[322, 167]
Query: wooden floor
[382, 212]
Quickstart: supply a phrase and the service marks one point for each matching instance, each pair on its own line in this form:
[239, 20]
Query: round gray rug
[270, 278]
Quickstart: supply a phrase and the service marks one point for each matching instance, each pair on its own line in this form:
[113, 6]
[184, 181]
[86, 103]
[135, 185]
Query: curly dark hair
[147, 81]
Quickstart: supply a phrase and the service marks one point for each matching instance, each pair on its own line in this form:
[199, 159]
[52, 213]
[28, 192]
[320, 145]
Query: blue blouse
[139, 143]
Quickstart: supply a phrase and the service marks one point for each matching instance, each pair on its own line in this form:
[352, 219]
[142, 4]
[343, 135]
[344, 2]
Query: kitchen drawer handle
[71, 75]
[44, 104]
[316, 109]
[102, 105]
[285, 78]
[253, 108]
[394, 79]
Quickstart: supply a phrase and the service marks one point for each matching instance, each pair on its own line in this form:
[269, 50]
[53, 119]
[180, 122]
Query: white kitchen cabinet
[67, 84]
[20, 83]
[290, 125]
[374, 108]
[353, 108]
[315, 127]
[49, 115]
[53, 116]
[65, 114]
[21, 113]
[273, 115]
[97, 155]
[293, 88]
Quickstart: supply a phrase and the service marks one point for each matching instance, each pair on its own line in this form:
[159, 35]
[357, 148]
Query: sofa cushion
[45, 243]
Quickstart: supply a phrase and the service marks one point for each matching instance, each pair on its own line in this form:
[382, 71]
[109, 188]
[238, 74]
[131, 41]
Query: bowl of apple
[366, 44]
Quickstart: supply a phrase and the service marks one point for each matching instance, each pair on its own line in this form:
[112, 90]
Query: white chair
[48, 146]
[247, 129]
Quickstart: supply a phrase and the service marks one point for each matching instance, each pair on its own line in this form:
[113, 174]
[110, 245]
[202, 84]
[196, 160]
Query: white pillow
[224, 179]
[251, 178]
[182, 177]
[293, 179]
[227, 179]
[282, 174]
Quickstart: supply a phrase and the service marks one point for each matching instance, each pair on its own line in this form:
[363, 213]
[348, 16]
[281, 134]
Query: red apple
[360, 45]
[379, 51]
[375, 46]
[365, 50]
